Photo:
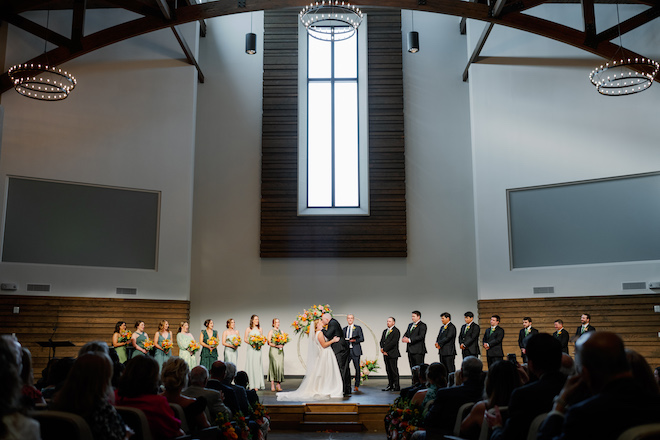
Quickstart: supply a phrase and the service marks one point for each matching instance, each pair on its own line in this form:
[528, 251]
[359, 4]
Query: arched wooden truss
[161, 14]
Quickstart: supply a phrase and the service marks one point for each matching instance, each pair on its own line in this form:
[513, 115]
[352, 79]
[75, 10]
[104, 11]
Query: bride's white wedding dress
[322, 377]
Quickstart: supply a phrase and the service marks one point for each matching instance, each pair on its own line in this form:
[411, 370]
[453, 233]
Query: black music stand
[54, 345]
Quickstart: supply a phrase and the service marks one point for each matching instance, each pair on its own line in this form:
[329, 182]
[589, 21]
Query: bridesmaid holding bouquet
[254, 337]
[140, 340]
[120, 339]
[276, 356]
[231, 340]
[163, 343]
[208, 338]
[187, 345]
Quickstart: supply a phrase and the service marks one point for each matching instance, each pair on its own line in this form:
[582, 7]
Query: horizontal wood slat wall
[81, 320]
[630, 316]
[283, 233]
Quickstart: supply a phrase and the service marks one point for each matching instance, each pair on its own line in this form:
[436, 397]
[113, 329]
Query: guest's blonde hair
[174, 374]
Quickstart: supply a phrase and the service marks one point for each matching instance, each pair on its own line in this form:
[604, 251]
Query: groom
[340, 348]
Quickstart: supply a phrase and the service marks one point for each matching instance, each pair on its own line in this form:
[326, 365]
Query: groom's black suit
[341, 352]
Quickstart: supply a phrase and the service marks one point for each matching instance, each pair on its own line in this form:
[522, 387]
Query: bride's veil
[312, 349]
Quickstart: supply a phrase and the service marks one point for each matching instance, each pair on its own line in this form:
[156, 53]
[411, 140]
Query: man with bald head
[199, 377]
[340, 349]
[614, 402]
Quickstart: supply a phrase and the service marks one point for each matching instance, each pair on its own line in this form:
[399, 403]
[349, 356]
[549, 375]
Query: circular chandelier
[331, 20]
[625, 76]
[42, 82]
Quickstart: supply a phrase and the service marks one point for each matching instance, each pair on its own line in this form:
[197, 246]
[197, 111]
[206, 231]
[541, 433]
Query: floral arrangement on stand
[366, 367]
[213, 342]
[148, 344]
[302, 323]
[226, 428]
[257, 341]
[125, 336]
[280, 339]
[403, 419]
[166, 345]
[193, 347]
[261, 416]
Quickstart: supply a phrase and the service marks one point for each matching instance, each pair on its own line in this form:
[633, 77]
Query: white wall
[536, 120]
[228, 277]
[130, 122]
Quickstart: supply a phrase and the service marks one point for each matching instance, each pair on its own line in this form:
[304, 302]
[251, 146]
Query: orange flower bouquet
[257, 341]
[125, 336]
[213, 342]
[166, 345]
[366, 367]
[280, 339]
[148, 344]
[303, 322]
[227, 431]
[234, 340]
[193, 347]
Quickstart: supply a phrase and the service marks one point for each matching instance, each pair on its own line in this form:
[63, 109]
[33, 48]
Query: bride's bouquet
[303, 322]
[366, 367]
[257, 341]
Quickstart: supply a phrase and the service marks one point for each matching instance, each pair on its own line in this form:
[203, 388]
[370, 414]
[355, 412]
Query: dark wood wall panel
[284, 234]
[81, 320]
[630, 316]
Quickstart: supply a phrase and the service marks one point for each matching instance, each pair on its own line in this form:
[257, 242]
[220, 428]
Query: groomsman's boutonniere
[445, 327]
[413, 327]
[353, 327]
[558, 332]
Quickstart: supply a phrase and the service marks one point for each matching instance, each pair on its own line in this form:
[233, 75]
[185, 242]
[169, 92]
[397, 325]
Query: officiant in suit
[468, 339]
[389, 346]
[415, 338]
[446, 343]
[354, 337]
[340, 348]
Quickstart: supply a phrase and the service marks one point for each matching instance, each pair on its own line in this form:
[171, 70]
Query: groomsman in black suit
[585, 325]
[354, 336]
[469, 336]
[415, 337]
[446, 343]
[525, 333]
[492, 341]
[389, 346]
[562, 335]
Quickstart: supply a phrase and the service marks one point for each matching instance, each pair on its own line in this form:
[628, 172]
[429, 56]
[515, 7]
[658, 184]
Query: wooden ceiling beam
[202, 23]
[628, 25]
[165, 9]
[589, 17]
[78, 24]
[189, 54]
[135, 6]
[35, 29]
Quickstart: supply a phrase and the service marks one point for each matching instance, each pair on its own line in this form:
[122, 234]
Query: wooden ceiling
[154, 15]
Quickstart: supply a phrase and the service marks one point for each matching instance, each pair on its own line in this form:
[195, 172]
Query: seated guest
[567, 365]
[415, 383]
[641, 371]
[13, 424]
[422, 382]
[441, 416]
[102, 347]
[242, 380]
[656, 374]
[31, 396]
[216, 382]
[174, 376]
[87, 392]
[214, 400]
[617, 401]
[138, 388]
[58, 372]
[544, 358]
[94, 346]
[239, 392]
[436, 378]
[501, 380]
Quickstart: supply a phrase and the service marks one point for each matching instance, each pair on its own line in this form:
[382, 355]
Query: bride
[322, 378]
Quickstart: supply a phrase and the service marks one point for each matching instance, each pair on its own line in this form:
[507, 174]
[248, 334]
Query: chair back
[463, 411]
[137, 421]
[642, 432]
[56, 425]
[535, 425]
[178, 412]
[485, 429]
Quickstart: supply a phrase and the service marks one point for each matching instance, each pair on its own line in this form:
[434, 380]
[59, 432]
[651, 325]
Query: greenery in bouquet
[257, 341]
[303, 321]
[125, 336]
[193, 347]
[366, 367]
[234, 340]
[166, 345]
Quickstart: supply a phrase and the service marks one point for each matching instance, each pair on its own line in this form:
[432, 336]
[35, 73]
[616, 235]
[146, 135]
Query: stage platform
[363, 411]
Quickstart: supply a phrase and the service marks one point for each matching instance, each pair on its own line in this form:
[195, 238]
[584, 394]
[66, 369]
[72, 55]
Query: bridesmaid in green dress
[163, 334]
[138, 338]
[209, 354]
[253, 363]
[231, 349]
[183, 340]
[120, 346]
[275, 359]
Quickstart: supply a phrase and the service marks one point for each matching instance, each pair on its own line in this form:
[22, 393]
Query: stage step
[332, 427]
[331, 417]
